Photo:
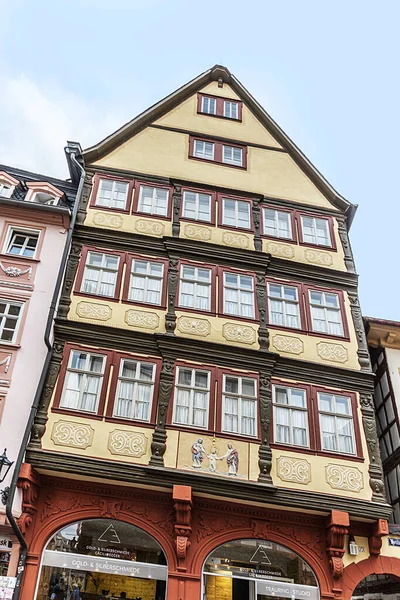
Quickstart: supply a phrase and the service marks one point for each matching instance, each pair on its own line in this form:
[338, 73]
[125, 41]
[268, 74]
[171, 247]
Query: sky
[327, 72]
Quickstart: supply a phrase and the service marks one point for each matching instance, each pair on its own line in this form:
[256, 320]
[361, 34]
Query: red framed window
[146, 281]
[316, 419]
[198, 205]
[193, 404]
[316, 231]
[239, 404]
[234, 212]
[277, 223]
[153, 200]
[225, 153]
[284, 303]
[100, 273]
[112, 193]
[237, 294]
[196, 287]
[216, 106]
[326, 312]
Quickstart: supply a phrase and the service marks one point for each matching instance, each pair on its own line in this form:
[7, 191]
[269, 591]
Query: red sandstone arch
[356, 572]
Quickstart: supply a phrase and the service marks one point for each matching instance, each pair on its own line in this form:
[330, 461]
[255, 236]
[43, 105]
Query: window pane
[231, 385]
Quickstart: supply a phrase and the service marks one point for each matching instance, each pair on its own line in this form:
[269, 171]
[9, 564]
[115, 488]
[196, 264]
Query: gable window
[146, 281]
[239, 405]
[236, 213]
[283, 305]
[100, 275]
[22, 242]
[44, 198]
[315, 231]
[83, 381]
[277, 223]
[238, 295]
[191, 397]
[197, 206]
[135, 387]
[204, 150]
[336, 423]
[219, 107]
[10, 315]
[43, 192]
[6, 189]
[153, 200]
[195, 288]
[326, 316]
[290, 416]
[231, 109]
[209, 105]
[112, 194]
[232, 155]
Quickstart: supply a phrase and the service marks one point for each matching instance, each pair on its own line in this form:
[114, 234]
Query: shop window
[103, 558]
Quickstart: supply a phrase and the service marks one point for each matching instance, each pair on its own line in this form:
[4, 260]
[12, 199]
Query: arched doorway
[102, 559]
[377, 587]
[251, 569]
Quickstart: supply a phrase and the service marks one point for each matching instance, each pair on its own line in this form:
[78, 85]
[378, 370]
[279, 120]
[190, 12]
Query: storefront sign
[394, 542]
[83, 562]
[287, 590]
[5, 544]
[7, 582]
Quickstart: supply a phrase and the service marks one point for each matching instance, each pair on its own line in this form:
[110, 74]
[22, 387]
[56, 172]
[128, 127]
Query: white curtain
[247, 307]
[182, 406]
[70, 397]
[91, 393]
[282, 425]
[292, 315]
[107, 283]
[231, 301]
[231, 414]
[345, 432]
[248, 425]
[200, 400]
[299, 424]
[328, 432]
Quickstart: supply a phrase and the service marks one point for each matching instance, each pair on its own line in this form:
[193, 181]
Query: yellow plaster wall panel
[363, 550]
[165, 153]
[340, 477]
[212, 455]
[217, 235]
[123, 316]
[393, 551]
[130, 223]
[253, 462]
[279, 250]
[217, 329]
[99, 439]
[171, 451]
[93, 311]
[294, 468]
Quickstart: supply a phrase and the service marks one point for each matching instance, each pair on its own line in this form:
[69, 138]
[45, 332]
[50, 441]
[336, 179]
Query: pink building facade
[35, 216]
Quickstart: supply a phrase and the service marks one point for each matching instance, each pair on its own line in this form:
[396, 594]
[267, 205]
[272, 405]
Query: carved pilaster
[362, 352]
[29, 483]
[337, 528]
[182, 496]
[40, 421]
[344, 238]
[261, 295]
[158, 444]
[69, 277]
[375, 466]
[86, 191]
[264, 452]
[177, 198]
[256, 220]
[378, 530]
[173, 276]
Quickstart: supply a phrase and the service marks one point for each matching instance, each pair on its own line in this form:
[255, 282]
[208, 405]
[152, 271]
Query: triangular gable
[220, 73]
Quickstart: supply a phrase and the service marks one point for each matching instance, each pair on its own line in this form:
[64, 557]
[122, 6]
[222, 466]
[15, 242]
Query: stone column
[362, 352]
[86, 191]
[375, 465]
[69, 278]
[265, 453]
[158, 444]
[256, 220]
[344, 238]
[176, 210]
[261, 295]
[173, 276]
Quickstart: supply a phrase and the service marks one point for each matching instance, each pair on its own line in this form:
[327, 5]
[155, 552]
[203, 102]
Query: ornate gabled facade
[209, 398]
[35, 218]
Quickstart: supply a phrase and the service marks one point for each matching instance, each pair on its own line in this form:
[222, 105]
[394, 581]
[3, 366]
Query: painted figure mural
[199, 452]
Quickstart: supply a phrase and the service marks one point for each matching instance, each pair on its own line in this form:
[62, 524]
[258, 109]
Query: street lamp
[5, 466]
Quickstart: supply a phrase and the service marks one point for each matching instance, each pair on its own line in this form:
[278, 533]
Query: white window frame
[202, 154]
[146, 277]
[326, 308]
[229, 102]
[207, 112]
[240, 396]
[291, 408]
[276, 221]
[5, 186]
[195, 283]
[314, 227]
[238, 290]
[51, 200]
[153, 200]
[101, 269]
[236, 213]
[197, 202]
[113, 191]
[136, 381]
[192, 389]
[21, 231]
[283, 302]
[5, 316]
[85, 372]
[336, 416]
[232, 162]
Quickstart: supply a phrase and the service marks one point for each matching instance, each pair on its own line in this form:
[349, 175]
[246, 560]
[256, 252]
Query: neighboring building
[35, 213]
[207, 423]
[384, 347]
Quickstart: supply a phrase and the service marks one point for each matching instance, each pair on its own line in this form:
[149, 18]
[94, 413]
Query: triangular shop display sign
[260, 556]
[110, 535]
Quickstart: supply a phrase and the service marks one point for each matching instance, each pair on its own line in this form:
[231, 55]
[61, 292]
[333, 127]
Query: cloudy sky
[326, 71]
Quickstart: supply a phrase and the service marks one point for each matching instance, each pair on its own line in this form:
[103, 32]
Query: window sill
[210, 313]
[221, 164]
[209, 433]
[274, 238]
[249, 320]
[16, 257]
[310, 451]
[199, 221]
[9, 345]
[248, 230]
[121, 211]
[76, 413]
[131, 422]
[318, 246]
[138, 213]
[96, 296]
[199, 112]
[144, 304]
[328, 336]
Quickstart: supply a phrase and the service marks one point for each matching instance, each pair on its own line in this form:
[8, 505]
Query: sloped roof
[162, 107]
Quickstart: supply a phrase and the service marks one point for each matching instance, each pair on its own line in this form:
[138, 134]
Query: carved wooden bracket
[379, 529]
[29, 483]
[182, 496]
[337, 528]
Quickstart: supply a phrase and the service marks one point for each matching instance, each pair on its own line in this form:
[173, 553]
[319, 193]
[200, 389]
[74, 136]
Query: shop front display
[100, 559]
[257, 570]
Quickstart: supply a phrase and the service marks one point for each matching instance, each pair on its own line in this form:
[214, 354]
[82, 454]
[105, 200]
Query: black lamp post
[5, 466]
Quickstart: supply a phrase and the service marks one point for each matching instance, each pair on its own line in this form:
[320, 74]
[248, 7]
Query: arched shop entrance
[378, 587]
[257, 570]
[105, 559]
